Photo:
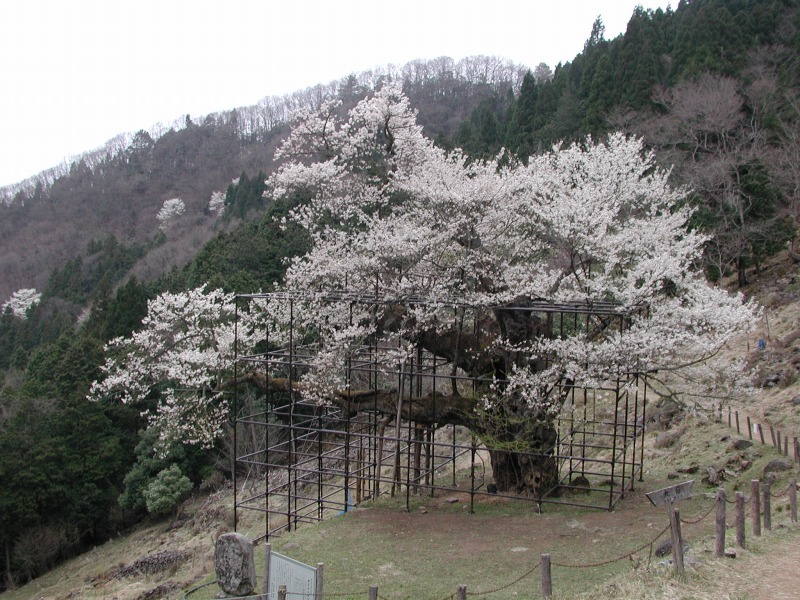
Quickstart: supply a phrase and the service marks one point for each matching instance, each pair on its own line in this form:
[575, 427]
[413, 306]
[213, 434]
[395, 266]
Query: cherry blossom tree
[589, 223]
[392, 215]
[217, 203]
[170, 210]
[184, 351]
[582, 223]
[21, 300]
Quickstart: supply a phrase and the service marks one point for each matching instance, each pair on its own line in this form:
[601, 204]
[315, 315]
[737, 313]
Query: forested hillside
[712, 86]
[118, 190]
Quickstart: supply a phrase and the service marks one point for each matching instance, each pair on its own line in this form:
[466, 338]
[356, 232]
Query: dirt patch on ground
[524, 533]
[775, 578]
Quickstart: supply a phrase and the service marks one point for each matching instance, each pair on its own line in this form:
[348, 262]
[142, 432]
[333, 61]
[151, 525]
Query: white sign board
[300, 579]
[671, 494]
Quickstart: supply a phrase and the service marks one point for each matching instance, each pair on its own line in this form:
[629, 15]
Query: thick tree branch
[431, 409]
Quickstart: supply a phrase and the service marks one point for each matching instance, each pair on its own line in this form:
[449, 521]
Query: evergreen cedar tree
[581, 223]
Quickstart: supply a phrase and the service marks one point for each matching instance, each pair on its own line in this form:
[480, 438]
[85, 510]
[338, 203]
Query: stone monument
[234, 564]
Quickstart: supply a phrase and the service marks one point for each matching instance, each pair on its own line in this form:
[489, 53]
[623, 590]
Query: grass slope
[437, 545]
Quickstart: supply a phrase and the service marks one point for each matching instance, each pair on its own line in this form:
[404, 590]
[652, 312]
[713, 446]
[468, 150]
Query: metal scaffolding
[314, 461]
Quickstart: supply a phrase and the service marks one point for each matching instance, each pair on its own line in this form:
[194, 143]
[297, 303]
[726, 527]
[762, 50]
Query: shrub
[166, 490]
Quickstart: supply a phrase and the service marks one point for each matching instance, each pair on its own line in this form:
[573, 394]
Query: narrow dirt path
[773, 576]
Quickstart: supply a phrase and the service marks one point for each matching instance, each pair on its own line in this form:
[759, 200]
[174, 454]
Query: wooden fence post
[547, 581]
[793, 500]
[767, 507]
[755, 506]
[719, 548]
[373, 592]
[319, 594]
[737, 423]
[740, 519]
[461, 592]
[761, 432]
[749, 428]
[677, 540]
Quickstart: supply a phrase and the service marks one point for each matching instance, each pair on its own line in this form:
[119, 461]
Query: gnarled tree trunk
[523, 456]
[521, 448]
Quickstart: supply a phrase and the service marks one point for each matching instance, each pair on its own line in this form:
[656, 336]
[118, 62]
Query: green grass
[412, 554]
[427, 551]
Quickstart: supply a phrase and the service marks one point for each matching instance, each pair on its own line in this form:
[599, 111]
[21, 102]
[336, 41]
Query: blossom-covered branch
[184, 351]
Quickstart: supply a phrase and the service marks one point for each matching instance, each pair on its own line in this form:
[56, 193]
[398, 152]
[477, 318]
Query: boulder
[713, 476]
[740, 444]
[234, 564]
[581, 482]
[668, 438]
[666, 413]
[779, 464]
[665, 548]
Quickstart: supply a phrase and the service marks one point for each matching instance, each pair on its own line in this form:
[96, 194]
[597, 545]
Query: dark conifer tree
[520, 127]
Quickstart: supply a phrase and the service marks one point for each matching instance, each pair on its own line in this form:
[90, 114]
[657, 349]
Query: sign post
[671, 494]
[300, 580]
[668, 496]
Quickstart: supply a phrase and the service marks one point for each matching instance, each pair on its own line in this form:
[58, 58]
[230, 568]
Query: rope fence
[758, 492]
[777, 438]
[783, 493]
[696, 521]
[508, 585]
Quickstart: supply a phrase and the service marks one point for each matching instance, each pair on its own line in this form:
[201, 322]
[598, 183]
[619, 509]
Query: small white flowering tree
[217, 203]
[21, 300]
[170, 210]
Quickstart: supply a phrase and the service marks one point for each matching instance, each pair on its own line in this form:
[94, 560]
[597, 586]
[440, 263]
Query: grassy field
[427, 551]
[437, 545]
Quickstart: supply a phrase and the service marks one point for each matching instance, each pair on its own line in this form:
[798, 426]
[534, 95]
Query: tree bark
[528, 467]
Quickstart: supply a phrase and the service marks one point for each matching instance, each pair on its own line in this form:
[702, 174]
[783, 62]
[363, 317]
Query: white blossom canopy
[185, 349]
[391, 212]
[170, 210]
[589, 223]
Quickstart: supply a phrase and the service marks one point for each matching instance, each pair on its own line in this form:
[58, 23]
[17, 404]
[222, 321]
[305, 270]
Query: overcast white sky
[75, 73]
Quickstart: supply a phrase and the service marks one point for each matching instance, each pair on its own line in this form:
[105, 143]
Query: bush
[190, 460]
[166, 490]
[40, 548]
